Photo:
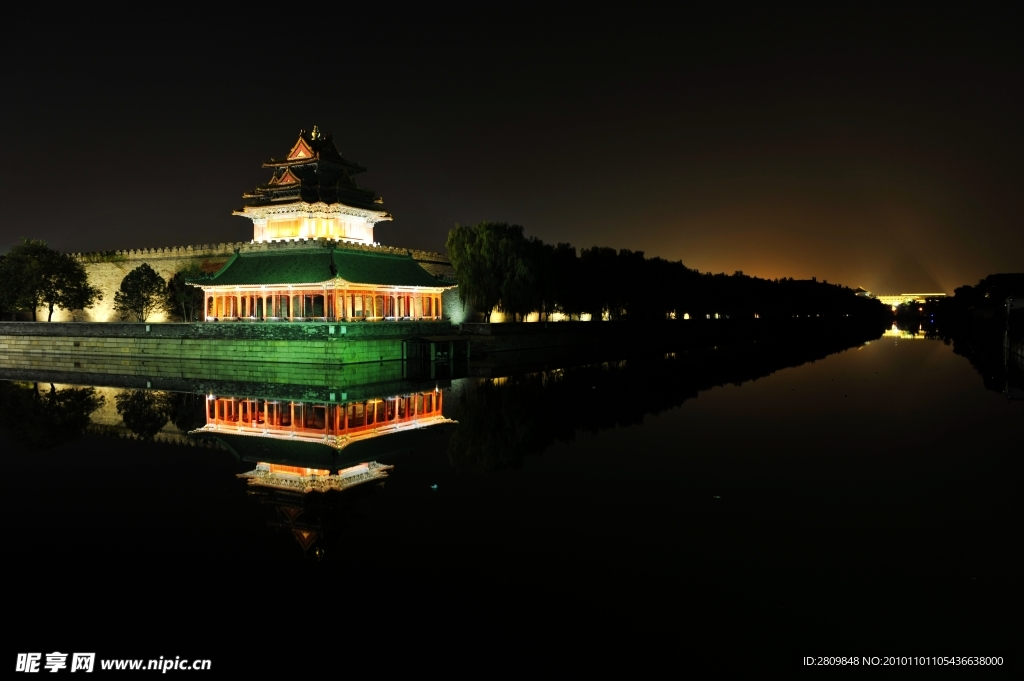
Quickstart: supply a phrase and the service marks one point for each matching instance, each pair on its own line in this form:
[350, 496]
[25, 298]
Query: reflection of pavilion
[306, 446]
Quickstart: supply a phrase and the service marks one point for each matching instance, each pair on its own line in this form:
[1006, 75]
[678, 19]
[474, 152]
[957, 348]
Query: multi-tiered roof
[314, 172]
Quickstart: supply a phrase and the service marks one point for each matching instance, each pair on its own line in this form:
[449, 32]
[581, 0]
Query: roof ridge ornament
[315, 134]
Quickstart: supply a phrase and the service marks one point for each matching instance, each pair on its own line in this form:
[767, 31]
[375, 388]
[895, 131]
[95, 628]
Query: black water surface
[745, 504]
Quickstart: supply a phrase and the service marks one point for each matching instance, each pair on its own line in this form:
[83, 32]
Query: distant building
[895, 301]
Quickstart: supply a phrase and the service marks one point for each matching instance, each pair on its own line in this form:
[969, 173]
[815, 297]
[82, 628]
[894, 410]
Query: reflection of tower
[308, 446]
[291, 510]
[300, 447]
[315, 521]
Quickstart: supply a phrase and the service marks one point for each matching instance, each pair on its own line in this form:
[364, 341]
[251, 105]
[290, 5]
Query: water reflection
[39, 417]
[909, 332]
[506, 419]
[816, 491]
[311, 446]
[316, 522]
[987, 349]
[144, 412]
[338, 425]
[299, 447]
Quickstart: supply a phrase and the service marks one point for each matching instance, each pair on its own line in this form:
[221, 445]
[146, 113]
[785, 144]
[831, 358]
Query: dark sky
[882, 151]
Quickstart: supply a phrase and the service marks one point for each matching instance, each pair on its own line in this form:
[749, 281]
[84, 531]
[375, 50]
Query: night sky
[878, 151]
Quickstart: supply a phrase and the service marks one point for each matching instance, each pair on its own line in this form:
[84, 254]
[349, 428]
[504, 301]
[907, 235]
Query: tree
[37, 276]
[182, 299]
[20, 272]
[67, 286]
[508, 254]
[565, 274]
[479, 284]
[7, 297]
[142, 291]
[495, 267]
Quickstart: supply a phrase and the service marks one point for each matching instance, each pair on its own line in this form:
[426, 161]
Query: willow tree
[510, 256]
[479, 285]
[494, 268]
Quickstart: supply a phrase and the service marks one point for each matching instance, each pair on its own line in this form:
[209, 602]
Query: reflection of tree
[144, 412]
[187, 411]
[982, 345]
[37, 421]
[503, 421]
[499, 426]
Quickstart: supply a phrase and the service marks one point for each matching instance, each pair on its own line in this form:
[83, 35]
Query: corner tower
[312, 195]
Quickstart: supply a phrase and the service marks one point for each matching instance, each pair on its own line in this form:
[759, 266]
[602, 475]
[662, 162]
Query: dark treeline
[975, 321]
[503, 421]
[498, 268]
[985, 301]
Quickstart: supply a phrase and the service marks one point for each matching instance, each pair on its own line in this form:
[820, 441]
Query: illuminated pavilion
[335, 272]
[322, 283]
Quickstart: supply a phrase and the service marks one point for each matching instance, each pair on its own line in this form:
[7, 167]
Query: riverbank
[486, 339]
[261, 351]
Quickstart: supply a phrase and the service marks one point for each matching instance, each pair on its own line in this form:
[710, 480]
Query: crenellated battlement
[227, 248]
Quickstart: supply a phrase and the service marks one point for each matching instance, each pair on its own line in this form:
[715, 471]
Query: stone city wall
[107, 269]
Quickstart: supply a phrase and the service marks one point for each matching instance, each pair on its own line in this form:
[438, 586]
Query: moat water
[803, 498]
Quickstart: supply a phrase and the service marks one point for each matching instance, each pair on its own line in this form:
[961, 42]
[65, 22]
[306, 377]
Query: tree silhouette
[183, 300]
[479, 284]
[142, 291]
[35, 276]
[497, 267]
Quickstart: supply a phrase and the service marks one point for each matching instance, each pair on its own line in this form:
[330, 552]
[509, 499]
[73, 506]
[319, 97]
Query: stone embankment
[258, 346]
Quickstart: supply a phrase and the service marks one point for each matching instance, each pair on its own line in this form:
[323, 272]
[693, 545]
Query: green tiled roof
[313, 266]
